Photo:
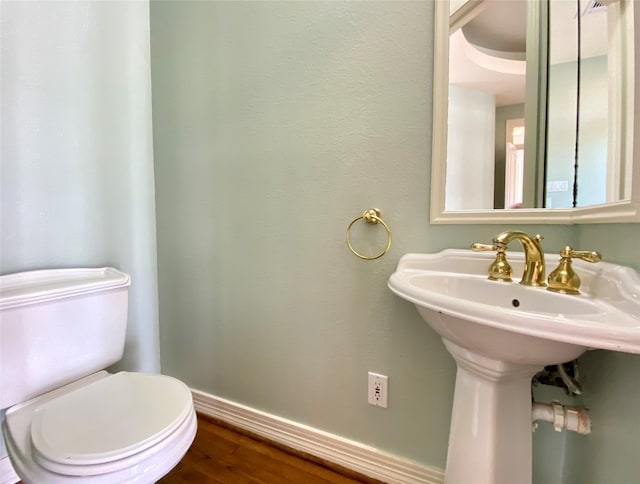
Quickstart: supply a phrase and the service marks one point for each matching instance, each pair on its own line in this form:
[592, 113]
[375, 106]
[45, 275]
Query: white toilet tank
[57, 326]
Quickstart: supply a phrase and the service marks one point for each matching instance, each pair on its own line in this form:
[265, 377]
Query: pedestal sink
[500, 335]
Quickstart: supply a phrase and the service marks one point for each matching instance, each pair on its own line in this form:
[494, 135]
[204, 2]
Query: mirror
[557, 144]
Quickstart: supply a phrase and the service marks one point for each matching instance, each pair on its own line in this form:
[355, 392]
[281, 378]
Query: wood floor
[224, 455]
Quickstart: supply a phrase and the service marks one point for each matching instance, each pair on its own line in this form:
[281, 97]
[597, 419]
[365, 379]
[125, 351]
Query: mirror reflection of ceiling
[564, 30]
[488, 53]
[500, 29]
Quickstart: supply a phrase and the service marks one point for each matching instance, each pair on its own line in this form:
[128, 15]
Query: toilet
[67, 419]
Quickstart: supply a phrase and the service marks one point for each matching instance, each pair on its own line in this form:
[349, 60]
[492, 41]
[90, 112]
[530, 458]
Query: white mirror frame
[625, 211]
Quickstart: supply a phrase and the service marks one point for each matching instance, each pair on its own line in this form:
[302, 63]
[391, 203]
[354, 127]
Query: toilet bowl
[67, 419]
[105, 428]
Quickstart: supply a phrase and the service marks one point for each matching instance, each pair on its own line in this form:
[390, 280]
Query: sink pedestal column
[490, 437]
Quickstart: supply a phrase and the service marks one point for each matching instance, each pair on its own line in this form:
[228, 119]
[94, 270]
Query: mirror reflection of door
[514, 164]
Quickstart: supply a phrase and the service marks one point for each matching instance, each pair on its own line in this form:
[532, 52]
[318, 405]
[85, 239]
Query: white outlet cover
[378, 390]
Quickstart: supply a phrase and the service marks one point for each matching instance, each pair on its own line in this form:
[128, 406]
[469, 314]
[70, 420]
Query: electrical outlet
[378, 390]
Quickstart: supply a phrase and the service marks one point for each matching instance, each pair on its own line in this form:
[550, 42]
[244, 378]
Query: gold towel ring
[370, 216]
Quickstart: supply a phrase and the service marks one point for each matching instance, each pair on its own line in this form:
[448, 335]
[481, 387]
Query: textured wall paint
[273, 129]
[267, 152]
[77, 161]
[610, 454]
[592, 172]
[275, 124]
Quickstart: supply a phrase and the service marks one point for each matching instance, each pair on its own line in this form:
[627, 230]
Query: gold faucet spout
[533, 274]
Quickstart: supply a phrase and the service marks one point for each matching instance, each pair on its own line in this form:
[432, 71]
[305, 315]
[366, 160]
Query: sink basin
[452, 293]
[500, 335]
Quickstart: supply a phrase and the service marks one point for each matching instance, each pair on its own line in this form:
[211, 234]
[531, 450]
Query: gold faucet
[564, 279]
[499, 270]
[533, 274]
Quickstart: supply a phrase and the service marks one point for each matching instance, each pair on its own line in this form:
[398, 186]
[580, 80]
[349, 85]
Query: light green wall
[276, 124]
[76, 158]
[561, 133]
[593, 134]
[274, 128]
[76, 172]
[610, 454]
[592, 150]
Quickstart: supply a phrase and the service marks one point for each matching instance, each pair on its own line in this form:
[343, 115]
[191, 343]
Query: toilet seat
[105, 428]
[94, 429]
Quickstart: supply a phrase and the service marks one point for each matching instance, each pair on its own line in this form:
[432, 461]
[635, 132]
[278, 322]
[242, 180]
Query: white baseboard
[350, 454]
[7, 474]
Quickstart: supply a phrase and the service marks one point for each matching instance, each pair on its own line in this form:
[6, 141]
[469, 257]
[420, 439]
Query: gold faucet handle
[499, 270]
[564, 279]
[586, 255]
[487, 247]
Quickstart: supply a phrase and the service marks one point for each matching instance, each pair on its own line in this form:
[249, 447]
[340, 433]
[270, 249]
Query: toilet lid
[108, 421]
